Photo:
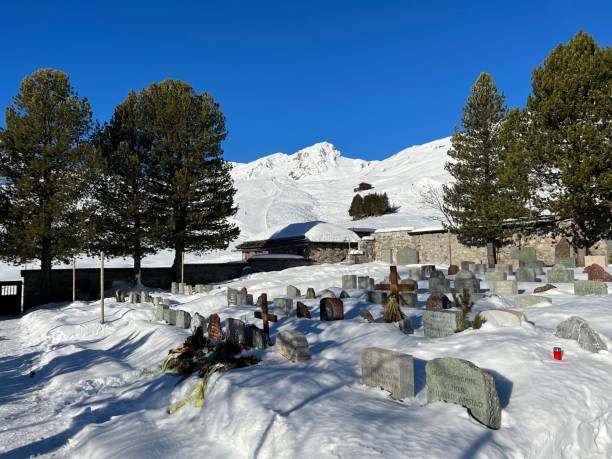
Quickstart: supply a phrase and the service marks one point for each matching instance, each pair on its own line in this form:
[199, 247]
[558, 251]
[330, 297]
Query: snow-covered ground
[88, 395]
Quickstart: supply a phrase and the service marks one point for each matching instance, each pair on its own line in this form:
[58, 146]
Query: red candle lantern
[557, 353]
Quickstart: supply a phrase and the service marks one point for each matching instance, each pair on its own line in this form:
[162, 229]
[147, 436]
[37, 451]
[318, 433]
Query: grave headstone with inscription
[463, 383]
[232, 296]
[302, 311]
[214, 327]
[559, 274]
[238, 332]
[389, 370]
[283, 306]
[363, 282]
[587, 287]
[349, 281]
[563, 248]
[525, 274]
[310, 294]
[504, 287]
[438, 323]
[292, 345]
[293, 291]
[183, 319]
[331, 309]
[523, 301]
[426, 271]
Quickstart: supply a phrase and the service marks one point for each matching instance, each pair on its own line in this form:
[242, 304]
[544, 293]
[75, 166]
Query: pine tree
[476, 200]
[356, 209]
[570, 141]
[123, 191]
[192, 187]
[46, 162]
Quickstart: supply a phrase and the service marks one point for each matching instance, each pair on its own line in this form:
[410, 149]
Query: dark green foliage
[192, 190]
[478, 200]
[465, 303]
[47, 163]
[123, 190]
[569, 137]
[370, 205]
[478, 322]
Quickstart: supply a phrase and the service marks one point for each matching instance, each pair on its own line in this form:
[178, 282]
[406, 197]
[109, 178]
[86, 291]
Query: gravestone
[386, 256]
[466, 280]
[174, 289]
[597, 273]
[243, 298]
[405, 326]
[159, 312]
[378, 296]
[166, 301]
[463, 383]
[415, 275]
[167, 313]
[559, 274]
[426, 271]
[536, 265]
[120, 296]
[578, 329]
[407, 256]
[232, 296]
[525, 275]
[327, 294]
[438, 323]
[465, 265]
[523, 301]
[563, 248]
[198, 320]
[172, 316]
[363, 282]
[344, 294]
[496, 276]
[595, 260]
[188, 289]
[292, 345]
[260, 340]
[214, 327]
[181, 288]
[366, 315]
[569, 263]
[349, 281]
[283, 306]
[310, 294]
[293, 291]
[437, 284]
[302, 311]
[503, 317]
[479, 268]
[587, 287]
[409, 299]
[372, 283]
[452, 270]
[134, 297]
[504, 268]
[183, 319]
[438, 300]
[503, 287]
[238, 332]
[389, 370]
[331, 309]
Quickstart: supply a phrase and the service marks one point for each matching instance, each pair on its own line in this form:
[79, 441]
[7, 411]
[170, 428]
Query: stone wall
[433, 247]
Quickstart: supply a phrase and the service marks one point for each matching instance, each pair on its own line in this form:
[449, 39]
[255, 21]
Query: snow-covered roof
[315, 231]
[394, 230]
[277, 256]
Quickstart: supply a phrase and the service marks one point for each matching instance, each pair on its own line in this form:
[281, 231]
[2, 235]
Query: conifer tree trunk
[491, 254]
[45, 272]
[580, 254]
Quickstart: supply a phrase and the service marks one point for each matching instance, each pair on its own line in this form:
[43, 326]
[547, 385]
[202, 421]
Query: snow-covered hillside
[317, 183]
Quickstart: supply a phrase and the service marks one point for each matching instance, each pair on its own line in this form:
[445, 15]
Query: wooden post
[183, 267]
[102, 286]
[73, 280]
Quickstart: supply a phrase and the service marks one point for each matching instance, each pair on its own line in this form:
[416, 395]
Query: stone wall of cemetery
[433, 247]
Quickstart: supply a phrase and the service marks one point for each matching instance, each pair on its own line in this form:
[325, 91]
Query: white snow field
[89, 396]
[315, 183]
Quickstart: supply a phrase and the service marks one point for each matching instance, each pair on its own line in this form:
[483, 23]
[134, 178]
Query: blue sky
[372, 77]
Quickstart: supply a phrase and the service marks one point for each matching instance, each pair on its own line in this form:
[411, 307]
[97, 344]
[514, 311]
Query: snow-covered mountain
[317, 182]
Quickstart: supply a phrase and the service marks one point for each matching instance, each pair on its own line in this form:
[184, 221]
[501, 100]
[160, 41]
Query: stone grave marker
[166, 301]
[426, 271]
[327, 294]
[232, 296]
[174, 289]
[363, 282]
[502, 287]
[183, 319]
[386, 256]
[578, 329]
[198, 321]
[503, 317]
[310, 294]
[181, 288]
[238, 332]
[466, 280]
[260, 339]
[331, 309]
[378, 296]
[283, 306]
[437, 284]
[463, 383]
[496, 276]
[409, 299]
[407, 256]
[293, 291]
[438, 323]
[438, 300]
[349, 281]
[597, 273]
[292, 345]
[525, 275]
[243, 298]
[159, 312]
[559, 274]
[595, 260]
[120, 296]
[366, 315]
[504, 268]
[452, 270]
[523, 301]
[389, 370]
[302, 311]
[167, 313]
[569, 263]
[479, 268]
[587, 287]
[415, 275]
[134, 297]
[405, 325]
[172, 316]
[214, 327]
[543, 288]
[563, 248]
[466, 265]
[264, 315]
[536, 265]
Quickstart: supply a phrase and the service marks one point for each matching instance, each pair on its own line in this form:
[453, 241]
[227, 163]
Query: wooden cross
[264, 315]
[394, 286]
